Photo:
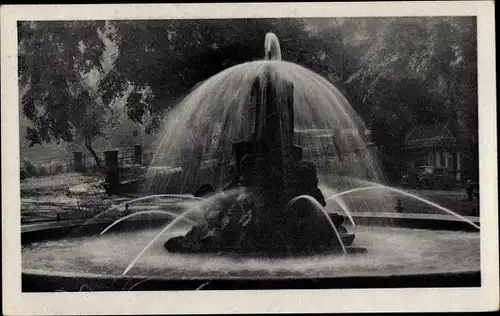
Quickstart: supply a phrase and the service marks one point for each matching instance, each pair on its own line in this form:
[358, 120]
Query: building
[432, 145]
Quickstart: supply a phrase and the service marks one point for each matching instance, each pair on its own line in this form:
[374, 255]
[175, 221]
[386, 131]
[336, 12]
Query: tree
[164, 60]
[437, 54]
[60, 64]
[420, 71]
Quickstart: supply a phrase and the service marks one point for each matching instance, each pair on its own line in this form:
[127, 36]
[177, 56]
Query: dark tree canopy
[171, 57]
[426, 66]
[419, 71]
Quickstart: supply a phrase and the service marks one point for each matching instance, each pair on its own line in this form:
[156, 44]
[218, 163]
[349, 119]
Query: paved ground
[454, 200]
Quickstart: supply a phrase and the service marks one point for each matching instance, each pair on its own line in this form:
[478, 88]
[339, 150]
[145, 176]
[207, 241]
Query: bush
[23, 174]
[29, 169]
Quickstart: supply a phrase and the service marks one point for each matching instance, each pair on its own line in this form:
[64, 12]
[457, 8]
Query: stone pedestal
[138, 154]
[78, 165]
[112, 170]
[273, 150]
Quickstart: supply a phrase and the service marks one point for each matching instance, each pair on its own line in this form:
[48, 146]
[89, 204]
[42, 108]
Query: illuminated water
[200, 131]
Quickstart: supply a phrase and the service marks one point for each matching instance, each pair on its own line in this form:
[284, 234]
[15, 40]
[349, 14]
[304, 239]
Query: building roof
[429, 136]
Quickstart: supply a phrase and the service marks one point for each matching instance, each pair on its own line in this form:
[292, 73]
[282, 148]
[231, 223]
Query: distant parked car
[472, 189]
[431, 177]
[409, 180]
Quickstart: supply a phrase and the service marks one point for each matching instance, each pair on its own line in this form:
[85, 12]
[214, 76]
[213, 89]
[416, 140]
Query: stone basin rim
[101, 276]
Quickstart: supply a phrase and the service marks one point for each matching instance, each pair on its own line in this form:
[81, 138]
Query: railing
[129, 164]
[52, 166]
[45, 167]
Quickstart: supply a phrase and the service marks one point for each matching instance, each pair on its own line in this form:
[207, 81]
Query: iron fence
[127, 160]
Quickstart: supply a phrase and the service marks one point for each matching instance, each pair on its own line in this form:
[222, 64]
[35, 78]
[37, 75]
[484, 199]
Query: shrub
[30, 169]
[23, 174]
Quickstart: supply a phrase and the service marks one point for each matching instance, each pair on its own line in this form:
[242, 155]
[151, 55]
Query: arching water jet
[107, 211]
[320, 209]
[141, 213]
[375, 186]
[167, 227]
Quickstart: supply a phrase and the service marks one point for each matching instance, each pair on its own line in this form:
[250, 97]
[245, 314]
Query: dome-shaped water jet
[279, 127]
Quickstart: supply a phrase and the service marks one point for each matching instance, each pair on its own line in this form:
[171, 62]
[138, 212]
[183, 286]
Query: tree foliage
[59, 63]
[419, 71]
[164, 60]
[427, 67]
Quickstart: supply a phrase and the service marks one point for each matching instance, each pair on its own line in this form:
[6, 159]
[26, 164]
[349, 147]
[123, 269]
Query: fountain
[271, 168]
[240, 195]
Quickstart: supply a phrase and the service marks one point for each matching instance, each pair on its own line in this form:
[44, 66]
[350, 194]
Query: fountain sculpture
[284, 211]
